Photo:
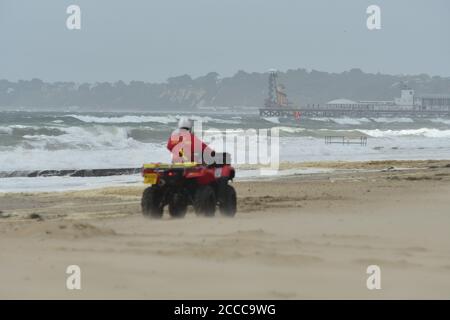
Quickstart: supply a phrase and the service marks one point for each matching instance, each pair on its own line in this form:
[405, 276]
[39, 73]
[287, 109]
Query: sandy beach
[296, 237]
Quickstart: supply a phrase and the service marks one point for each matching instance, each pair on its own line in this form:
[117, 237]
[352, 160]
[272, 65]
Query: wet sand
[296, 237]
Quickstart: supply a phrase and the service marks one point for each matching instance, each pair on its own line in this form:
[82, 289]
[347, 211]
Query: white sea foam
[166, 119]
[125, 119]
[83, 138]
[65, 183]
[424, 132]
[10, 129]
[214, 120]
[51, 184]
[350, 121]
[393, 120]
[321, 119]
[6, 130]
[19, 126]
[342, 121]
[440, 120]
[275, 120]
[24, 158]
[290, 129]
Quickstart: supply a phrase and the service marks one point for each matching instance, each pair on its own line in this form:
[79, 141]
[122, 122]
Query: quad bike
[182, 184]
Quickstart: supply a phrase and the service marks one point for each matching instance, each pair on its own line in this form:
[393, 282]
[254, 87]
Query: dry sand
[297, 237]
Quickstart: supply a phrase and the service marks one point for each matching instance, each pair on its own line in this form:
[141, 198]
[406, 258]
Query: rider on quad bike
[185, 146]
[198, 176]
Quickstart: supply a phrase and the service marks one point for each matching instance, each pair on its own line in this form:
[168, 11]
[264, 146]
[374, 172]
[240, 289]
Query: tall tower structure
[276, 96]
[271, 100]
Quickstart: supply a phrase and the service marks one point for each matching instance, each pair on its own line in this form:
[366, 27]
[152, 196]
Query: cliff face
[243, 89]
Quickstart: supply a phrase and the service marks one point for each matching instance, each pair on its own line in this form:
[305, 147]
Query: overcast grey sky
[152, 40]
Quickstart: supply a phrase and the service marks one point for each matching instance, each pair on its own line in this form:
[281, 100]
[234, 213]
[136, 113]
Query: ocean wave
[290, 129]
[392, 120]
[321, 119]
[93, 137]
[424, 132]
[358, 121]
[21, 158]
[22, 130]
[206, 119]
[440, 120]
[124, 119]
[350, 121]
[6, 130]
[20, 126]
[294, 132]
[275, 120]
[166, 119]
[343, 121]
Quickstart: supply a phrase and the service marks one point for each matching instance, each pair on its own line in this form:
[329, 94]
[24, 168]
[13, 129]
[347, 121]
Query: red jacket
[186, 147]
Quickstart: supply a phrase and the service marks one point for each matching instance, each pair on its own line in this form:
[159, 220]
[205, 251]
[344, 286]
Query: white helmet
[185, 123]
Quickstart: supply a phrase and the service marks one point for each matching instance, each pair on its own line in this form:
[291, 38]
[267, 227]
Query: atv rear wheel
[178, 206]
[227, 201]
[152, 202]
[205, 201]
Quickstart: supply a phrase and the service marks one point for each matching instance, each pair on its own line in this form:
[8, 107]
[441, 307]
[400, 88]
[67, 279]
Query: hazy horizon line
[308, 70]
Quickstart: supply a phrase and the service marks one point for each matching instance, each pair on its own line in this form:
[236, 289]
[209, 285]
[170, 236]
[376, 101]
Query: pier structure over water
[351, 113]
[407, 105]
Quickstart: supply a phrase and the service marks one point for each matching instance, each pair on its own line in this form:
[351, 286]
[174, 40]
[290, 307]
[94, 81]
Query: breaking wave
[82, 138]
[359, 121]
[166, 119]
[84, 147]
[291, 129]
[393, 120]
[275, 120]
[350, 121]
[21, 130]
[124, 119]
[6, 130]
[440, 120]
[424, 132]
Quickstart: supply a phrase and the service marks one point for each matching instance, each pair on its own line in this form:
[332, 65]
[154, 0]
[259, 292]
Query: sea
[31, 140]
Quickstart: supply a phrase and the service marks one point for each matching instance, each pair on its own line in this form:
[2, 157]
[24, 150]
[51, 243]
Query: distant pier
[407, 105]
[332, 113]
[278, 112]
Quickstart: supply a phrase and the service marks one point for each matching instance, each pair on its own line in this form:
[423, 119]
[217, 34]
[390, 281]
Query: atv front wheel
[178, 206]
[227, 201]
[152, 202]
[205, 201]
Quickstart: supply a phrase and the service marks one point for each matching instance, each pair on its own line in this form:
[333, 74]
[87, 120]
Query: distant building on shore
[407, 101]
